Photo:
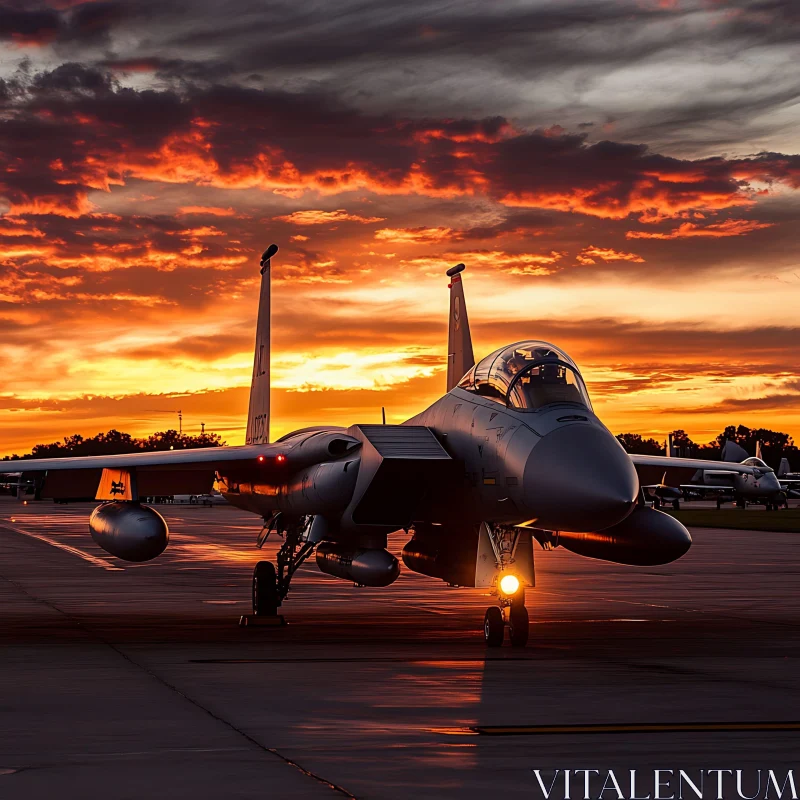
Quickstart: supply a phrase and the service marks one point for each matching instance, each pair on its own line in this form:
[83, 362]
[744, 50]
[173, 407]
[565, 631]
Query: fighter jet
[759, 487]
[512, 452]
[662, 492]
[790, 481]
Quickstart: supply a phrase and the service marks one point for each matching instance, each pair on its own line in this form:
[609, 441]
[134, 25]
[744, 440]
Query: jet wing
[681, 469]
[700, 488]
[187, 471]
[248, 455]
[670, 462]
[719, 473]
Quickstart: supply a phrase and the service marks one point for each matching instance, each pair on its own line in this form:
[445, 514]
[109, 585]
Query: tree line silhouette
[116, 442]
[774, 444]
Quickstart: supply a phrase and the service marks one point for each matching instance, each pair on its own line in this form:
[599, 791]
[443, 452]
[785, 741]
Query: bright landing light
[509, 584]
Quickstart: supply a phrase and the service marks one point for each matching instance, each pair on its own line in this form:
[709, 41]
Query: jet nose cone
[578, 478]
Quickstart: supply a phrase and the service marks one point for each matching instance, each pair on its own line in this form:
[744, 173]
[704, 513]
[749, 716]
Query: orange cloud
[213, 211]
[589, 255]
[535, 264]
[24, 251]
[462, 131]
[205, 230]
[42, 205]
[206, 143]
[617, 201]
[316, 217]
[418, 235]
[125, 256]
[730, 227]
[19, 227]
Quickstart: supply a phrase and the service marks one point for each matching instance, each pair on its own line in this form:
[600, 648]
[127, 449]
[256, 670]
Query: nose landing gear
[511, 614]
[512, 569]
[494, 627]
[518, 624]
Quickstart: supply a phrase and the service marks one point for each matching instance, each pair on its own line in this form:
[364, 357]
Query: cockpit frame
[501, 375]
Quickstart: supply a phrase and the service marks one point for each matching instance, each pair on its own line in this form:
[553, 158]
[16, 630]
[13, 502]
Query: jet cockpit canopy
[527, 376]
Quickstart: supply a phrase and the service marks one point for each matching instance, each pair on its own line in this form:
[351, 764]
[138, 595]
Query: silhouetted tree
[172, 440]
[774, 444]
[116, 442]
[634, 443]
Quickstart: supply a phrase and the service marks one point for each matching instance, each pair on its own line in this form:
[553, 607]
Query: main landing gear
[265, 590]
[271, 583]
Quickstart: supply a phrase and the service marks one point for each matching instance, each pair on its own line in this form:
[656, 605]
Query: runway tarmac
[133, 681]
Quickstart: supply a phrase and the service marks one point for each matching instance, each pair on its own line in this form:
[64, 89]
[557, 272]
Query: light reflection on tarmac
[138, 683]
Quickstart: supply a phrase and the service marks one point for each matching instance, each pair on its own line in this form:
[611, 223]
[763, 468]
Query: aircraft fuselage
[751, 488]
[557, 468]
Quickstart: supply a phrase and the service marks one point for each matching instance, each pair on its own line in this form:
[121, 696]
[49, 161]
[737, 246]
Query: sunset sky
[620, 178]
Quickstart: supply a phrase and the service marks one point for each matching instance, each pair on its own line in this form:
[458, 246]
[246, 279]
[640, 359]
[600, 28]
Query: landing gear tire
[494, 627]
[265, 590]
[676, 505]
[518, 625]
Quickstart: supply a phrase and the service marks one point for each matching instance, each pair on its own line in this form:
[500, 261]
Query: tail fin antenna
[258, 413]
[460, 358]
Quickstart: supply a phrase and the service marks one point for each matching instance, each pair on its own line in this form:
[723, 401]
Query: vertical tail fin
[258, 413]
[670, 446]
[784, 468]
[460, 358]
[733, 452]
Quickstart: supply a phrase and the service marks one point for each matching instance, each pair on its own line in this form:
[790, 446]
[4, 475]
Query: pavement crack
[340, 790]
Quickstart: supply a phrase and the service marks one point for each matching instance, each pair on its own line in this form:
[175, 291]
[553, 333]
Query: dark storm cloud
[537, 62]
[77, 24]
[29, 26]
[434, 57]
[285, 34]
[95, 133]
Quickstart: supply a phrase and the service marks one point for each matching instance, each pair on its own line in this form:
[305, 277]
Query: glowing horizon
[650, 232]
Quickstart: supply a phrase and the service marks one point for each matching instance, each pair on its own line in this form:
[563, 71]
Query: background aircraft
[512, 451]
[662, 492]
[759, 487]
[790, 481]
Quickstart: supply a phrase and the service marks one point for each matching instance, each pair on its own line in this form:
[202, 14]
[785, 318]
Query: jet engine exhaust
[646, 538]
[366, 567]
[129, 531]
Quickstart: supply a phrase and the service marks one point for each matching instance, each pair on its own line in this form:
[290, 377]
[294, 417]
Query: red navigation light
[261, 459]
[280, 458]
